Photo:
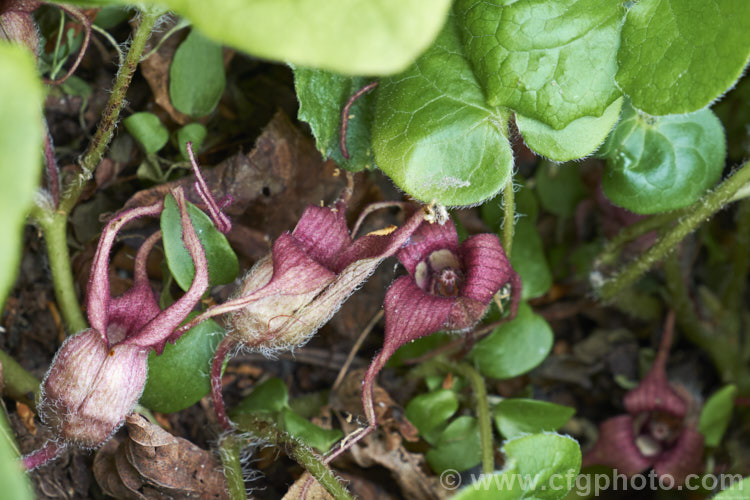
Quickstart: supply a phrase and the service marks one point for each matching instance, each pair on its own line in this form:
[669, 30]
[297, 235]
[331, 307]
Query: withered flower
[289, 294]
[98, 375]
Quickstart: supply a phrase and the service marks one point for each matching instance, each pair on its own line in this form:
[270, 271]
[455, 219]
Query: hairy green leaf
[655, 164]
[678, 56]
[322, 95]
[515, 347]
[147, 129]
[179, 377]
[223, 265]
[458, 448]
[355, 37]
[515, 417]
[716, 414]
[196, 75]
[538, 466]
[550, 60]
[20, 152]
[433, 133]
[579, 138]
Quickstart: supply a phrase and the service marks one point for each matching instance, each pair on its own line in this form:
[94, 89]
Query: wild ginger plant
[631, 83]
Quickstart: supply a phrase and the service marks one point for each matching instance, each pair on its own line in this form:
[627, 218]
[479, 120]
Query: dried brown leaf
[151, 463]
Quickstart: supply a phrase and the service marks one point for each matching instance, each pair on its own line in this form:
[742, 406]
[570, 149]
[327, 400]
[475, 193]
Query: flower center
[657, 432]
[446, 282]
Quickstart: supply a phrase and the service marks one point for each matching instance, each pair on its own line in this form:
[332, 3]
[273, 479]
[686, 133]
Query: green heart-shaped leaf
[655, 164]
[429, 411]
[434, 135]
[223, 265]
[550, 60]
[515, 347]
[458, 448]
[179, 377]
[678, 56]
[322, 95]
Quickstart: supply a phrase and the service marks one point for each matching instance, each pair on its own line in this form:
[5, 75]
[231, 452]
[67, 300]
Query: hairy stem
[54, 222]
[229, 451]
[483, 410]
[19, 384]
[106, 127]
[509, 216]
[697, 213]
[54, 228]
[612, 250]
[298, 451]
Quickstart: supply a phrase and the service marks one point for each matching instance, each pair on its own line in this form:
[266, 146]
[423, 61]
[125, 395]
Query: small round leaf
[655, 164]
[196, 76]
[179, 377]
[428, 411]
[515, 347]
[147, 129]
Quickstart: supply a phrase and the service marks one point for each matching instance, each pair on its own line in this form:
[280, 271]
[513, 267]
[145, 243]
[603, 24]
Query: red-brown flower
[449, 287]
[658, 431]
[98, 375]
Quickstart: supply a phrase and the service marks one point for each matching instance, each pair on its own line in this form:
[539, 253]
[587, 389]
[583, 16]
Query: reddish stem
[43, 455]
[345, 115]
[222, 351]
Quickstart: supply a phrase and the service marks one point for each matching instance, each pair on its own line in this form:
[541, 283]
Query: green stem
[509, 216]
[483, 410]
[697, 213]
[297, 450]
[229, 451]
[106, 127]
[54, 223]
[629, 233]
[19, 384]
[54, 228]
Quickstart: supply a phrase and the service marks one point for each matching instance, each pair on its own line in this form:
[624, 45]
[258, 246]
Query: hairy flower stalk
[290, 293]
[98, 375]
[659, 430]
